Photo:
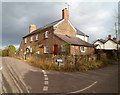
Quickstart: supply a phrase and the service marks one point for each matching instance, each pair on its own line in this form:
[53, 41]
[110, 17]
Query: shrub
[48, 65]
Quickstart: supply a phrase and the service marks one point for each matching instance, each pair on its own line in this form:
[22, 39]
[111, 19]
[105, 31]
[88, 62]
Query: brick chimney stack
[109, 36]
[65, 14]
[32, 28]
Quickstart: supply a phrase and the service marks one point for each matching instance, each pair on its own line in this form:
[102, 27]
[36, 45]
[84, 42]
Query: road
[20, 77]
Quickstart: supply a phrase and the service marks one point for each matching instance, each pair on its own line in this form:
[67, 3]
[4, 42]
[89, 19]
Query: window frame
[63, 48]
[25, 40]
[46, 34]
[31, 39]
[46, 49]
[36, 37]
[82, 48]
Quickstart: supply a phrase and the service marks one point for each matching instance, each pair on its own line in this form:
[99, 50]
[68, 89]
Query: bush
[48, 65]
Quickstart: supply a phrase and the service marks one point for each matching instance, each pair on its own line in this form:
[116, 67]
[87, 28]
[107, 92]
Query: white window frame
[45, 49]
[25, 40]
[30, 49]
[31, 38]
[46, 34]
[63, 49]
[36, 37]
[82, 48]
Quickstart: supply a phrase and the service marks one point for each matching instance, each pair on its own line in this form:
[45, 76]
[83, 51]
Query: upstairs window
[46, 34]
[82, 49]
[36, 37]
[25, 40]
[45, 49]
[31, 38]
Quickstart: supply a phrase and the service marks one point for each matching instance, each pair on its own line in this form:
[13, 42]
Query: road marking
[1, 68]
[33, 70]
[46, 82]
[84, 88]
[46, 78]
[45, 88]
[43, 70]
[45, 75]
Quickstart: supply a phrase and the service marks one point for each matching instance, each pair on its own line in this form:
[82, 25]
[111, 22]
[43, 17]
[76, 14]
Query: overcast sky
[95, 19]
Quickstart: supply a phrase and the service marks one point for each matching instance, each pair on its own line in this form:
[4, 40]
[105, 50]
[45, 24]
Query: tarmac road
[20, 77]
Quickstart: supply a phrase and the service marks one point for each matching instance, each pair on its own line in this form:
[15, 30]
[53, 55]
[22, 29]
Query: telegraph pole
[116, 38]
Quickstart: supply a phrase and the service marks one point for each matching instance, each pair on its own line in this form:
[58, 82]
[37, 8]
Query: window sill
[82, 51]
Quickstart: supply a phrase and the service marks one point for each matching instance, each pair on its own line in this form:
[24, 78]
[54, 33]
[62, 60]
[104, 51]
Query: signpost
[59, 61]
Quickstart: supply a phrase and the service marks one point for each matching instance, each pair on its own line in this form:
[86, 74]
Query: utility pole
[116, 38]
[68, 8]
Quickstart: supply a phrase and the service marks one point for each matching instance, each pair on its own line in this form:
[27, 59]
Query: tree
[11, 49]
[5, 52]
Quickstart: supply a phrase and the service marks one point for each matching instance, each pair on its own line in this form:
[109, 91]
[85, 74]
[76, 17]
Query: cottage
[109, 44]
[58, 37]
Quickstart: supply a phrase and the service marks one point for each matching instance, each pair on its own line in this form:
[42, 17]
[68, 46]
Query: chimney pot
[65, 13]
[32, 28]
[114, 39]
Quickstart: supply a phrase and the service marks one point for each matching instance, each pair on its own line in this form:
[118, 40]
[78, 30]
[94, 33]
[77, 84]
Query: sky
[95, 19]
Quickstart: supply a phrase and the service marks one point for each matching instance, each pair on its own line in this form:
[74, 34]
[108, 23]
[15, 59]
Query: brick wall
[65, 28]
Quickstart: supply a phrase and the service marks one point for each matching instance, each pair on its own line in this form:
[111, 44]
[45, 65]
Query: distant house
[109, 44]
[55, 38]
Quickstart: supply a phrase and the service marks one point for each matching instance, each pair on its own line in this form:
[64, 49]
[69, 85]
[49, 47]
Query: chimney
[114, 39]
[32, 28]
[109, 36]
[65, 13]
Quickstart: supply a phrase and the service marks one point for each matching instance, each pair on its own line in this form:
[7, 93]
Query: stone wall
[67, 59]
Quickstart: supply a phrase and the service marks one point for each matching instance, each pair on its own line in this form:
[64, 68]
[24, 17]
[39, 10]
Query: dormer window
[46, 34]
[36, 37]
[25, 40]
[31, 39]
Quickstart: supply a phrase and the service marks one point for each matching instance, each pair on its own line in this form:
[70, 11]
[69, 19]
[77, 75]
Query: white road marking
[84, 88]
[1, 68]
[45, 75]
[43, 70]
[45, 88]
[33, 70]
[46, 82]
[46, 78]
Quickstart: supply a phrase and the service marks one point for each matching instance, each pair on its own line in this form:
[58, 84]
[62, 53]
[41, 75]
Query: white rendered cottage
[109, 44]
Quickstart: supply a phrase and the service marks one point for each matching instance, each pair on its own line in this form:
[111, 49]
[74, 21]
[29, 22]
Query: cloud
[91, 18]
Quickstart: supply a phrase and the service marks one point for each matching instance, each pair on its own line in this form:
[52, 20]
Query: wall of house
[109, 45]
[65, 28]
[35, 43]
[50, 42]
[100, 45]
[76, 50]
[84, 38]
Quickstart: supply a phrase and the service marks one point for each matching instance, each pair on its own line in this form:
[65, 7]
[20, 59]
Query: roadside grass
[48, 65]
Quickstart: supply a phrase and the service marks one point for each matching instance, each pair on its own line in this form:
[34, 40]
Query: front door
[55, 49]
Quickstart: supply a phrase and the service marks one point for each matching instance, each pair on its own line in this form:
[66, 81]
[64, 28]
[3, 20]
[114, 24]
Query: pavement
[19, 77]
